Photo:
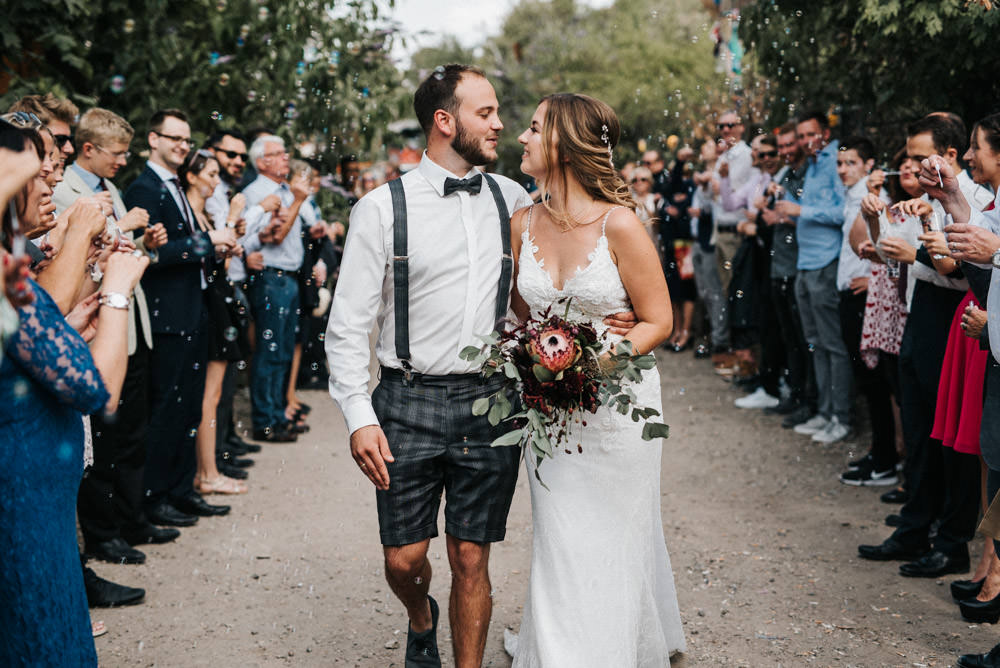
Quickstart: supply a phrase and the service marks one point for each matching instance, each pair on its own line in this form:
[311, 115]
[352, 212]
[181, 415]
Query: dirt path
[762, 536]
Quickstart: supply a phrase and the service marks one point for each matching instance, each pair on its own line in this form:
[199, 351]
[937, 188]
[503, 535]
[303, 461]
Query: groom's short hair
[438, 92]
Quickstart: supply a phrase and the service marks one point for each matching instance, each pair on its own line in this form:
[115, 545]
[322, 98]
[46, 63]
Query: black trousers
[224, 412]
[110, 500]
[799, 369]
[943, 484]
[177, 377]
[872, 384]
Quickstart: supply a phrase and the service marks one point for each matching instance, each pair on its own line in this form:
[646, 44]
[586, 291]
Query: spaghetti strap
[606, 216]
[527, 223]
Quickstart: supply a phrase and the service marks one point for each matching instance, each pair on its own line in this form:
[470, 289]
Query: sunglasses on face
[768, 154]
[232, 155]
[62, 139]
[727, 126]
[23, 119]
[641, 178]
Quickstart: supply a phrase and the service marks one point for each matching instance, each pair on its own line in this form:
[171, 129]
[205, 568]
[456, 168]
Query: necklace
[570, 222]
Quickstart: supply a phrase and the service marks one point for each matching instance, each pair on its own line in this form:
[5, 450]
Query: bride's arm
[518, 304]
[641, 273]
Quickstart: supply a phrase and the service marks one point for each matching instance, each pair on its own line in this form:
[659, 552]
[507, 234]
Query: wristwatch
[996, 258]
[114, 300]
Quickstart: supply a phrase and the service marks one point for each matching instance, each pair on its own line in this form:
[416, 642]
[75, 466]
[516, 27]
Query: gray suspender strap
[400, 268]
[507, 261]
[400, 273]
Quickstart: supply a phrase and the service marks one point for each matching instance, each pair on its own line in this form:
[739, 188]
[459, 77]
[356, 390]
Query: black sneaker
[784, 407]
[421, 648]
[861, 462]
[897, 495]
[867, 476]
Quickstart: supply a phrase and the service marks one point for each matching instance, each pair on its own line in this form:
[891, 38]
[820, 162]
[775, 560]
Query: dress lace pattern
[48, 379]
[601, 591]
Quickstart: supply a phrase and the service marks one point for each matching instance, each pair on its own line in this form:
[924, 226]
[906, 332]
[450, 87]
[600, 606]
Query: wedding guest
[274, 294]
[678, 243]
[706, 272]
[58, 114]
[820, 215]
[175, 287]
[855, 160]
[736, 161]
[109, 505]
[653, 161]
[800, 404]
[42, 440]
[199, 176]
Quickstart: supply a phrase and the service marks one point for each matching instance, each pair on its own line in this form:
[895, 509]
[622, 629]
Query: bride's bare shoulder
[622, 223]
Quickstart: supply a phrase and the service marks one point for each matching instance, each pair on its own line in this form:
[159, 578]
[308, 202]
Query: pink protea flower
[556, 348]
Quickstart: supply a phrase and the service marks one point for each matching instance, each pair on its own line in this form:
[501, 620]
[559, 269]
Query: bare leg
[988, 551]
[205, 442]
[471, 603]
[292, 402]
[688, 320]
[991, 587]
[408, 573]
[675, 336]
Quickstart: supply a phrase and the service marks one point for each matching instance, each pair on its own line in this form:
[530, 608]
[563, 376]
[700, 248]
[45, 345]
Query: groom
[428, 257]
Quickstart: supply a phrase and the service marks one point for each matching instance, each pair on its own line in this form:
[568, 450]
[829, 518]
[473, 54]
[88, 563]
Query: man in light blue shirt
[819, 231]
[274, 225]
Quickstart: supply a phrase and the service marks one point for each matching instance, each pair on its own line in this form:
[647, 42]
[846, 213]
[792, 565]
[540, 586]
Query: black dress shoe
[890, 550]
[894, 520]
[151, 534]
[116, 551]
[989, 660]
[935, 564]
[231, 450]
[963, 590]
[230, 471]
[274, 435]
[233, 460]
[170, 516]
[238, 443]
[897, 495]
[981, 612]
[195, 505]
[103, 593]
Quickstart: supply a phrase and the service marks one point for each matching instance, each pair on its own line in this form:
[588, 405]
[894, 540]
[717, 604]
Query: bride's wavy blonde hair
[580, 133]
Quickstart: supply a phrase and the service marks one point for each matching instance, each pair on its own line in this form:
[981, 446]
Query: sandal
[98, 628]
[221, 485]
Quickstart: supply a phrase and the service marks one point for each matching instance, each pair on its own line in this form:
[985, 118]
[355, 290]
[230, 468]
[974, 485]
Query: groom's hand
[621, 323]
[370, 450]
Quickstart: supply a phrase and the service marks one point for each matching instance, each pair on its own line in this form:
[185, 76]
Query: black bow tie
[472, 185]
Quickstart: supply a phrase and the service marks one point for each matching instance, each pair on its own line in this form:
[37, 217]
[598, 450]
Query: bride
[601, 591]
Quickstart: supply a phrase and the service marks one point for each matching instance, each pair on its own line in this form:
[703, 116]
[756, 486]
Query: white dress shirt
[455, 252]
[217, 206]
[851, 266]
[180, 199]
[740, 160]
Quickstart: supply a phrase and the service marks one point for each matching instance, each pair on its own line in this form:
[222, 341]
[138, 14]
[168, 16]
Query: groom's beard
[468, 147]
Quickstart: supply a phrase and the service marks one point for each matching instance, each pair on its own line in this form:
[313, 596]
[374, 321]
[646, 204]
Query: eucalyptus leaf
[480, 406]
[542, 374]
[645, 362]
[653, 430]
[470, 353]
[510, 371]
[510, 438]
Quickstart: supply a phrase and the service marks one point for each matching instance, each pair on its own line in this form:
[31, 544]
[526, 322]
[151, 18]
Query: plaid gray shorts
[439, 445]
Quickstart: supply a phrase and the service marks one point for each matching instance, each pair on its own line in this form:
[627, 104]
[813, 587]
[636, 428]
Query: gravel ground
[762, 536]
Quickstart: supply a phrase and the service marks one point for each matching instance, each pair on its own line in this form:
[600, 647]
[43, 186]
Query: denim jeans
[274, 300]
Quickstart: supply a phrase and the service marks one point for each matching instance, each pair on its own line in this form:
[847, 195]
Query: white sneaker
[833, 432]
[759, 399]
[814, 424]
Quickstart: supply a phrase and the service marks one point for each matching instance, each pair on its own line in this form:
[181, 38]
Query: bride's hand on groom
[370, 450]
[621, 323]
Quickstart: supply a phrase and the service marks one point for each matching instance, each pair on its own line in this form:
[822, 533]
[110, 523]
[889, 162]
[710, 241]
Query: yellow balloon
[641, 145]
[672, 141]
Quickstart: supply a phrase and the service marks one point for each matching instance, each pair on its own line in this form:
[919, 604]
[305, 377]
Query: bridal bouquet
[556, 365]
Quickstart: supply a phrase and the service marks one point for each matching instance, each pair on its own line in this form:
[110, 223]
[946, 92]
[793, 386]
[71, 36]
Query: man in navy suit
[174, 286]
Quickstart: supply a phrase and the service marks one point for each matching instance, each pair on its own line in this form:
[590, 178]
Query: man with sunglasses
[653, 161]
[57, 114]
[174, 286]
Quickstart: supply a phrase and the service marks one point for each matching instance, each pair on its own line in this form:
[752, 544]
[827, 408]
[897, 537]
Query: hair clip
[607, 142]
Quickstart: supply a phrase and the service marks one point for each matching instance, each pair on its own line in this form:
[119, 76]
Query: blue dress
[47, 382]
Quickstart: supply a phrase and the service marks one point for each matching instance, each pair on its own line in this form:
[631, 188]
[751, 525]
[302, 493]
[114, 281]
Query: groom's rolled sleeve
[355, 306]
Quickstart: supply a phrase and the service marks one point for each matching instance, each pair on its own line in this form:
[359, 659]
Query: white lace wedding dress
[601, 592]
